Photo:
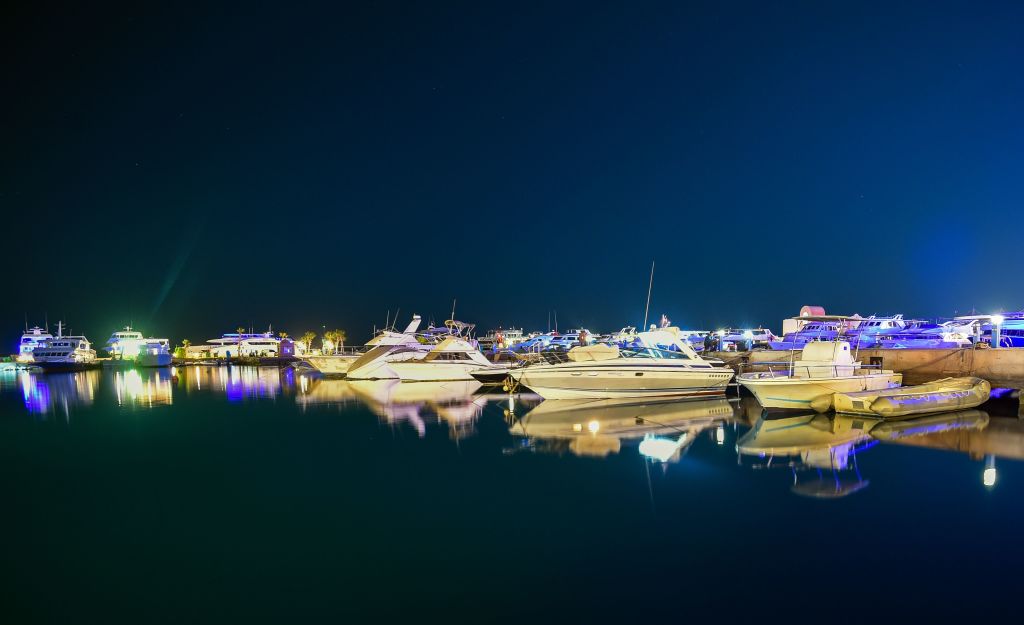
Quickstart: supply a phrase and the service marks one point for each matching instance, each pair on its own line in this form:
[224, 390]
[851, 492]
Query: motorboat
[454, 358]
[745, 339]
[951, 334]
[339, 364]
[65, 353]
[30, 340]
[938, 396]
[376, 363]
[825, 368]
[867, 333]
[655, 364]
[502, 338]
[130, 346]
[812, 328]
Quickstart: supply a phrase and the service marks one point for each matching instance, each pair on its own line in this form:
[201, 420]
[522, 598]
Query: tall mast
[650, 285]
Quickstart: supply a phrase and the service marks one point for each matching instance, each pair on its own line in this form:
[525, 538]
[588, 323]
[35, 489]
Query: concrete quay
[1002, 367]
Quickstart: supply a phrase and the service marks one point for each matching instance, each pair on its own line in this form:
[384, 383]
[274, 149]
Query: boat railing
[780, 369]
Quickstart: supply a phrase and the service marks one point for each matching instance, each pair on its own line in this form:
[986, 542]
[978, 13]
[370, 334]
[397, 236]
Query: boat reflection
[417, 404]
[823, 446]
[44, 394]
[236, 382]
[826, 447]
[599, 427]
[147, 388]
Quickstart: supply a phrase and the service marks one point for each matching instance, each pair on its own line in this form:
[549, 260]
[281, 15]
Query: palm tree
[307, 340]
[239, 347]
[329, 341]
[339, 339]
[283, 335]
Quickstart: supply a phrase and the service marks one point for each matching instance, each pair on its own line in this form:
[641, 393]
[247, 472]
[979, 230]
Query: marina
[525, 313]
[385, 461]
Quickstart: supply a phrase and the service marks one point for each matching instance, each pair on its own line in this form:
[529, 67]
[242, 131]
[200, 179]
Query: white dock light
[997, 321]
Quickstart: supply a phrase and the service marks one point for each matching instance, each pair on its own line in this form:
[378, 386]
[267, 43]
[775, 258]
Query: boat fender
[822, 403]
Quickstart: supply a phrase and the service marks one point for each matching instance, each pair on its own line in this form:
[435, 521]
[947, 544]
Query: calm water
[257, 495]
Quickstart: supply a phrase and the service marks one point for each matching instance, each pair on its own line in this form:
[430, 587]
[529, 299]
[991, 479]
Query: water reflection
[418, 403]
[45, 394]
[148, 388]
[598, 428]
[825, 447]
[237, 382]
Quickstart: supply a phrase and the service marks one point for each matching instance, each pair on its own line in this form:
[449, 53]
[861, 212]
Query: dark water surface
[257, 495]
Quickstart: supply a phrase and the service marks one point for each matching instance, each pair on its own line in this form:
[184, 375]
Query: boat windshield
[636, 350]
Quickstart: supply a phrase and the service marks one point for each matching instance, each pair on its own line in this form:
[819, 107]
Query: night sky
[199, 169]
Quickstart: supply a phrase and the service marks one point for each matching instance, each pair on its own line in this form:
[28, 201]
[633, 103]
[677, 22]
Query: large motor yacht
[339, 364]
[30, 340]
[825, 367]
[131, 346]
[458, 354]
[454, 358]
[65, 353]
[656, 364]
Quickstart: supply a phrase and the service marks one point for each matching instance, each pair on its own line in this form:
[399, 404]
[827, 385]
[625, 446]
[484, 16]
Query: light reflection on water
[820, 452]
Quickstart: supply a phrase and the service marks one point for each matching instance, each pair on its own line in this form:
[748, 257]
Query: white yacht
[502, 338]
[339, 364]
[30, 340]
[249, 344]
[124, 344]
[153, 353]
[655, 364]
[824, 368]
[65, 353]
[454, 358]
[130, 346]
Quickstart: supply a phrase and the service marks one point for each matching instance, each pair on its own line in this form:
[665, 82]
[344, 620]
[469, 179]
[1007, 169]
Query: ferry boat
[30, 340]
[824, 368]
[65, 353]
[656, 364]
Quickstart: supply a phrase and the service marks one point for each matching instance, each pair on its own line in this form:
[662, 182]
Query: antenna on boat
[394, 322]
[549, 322]
[453, 309]
[556, 322]
[650, 285]
[387, 319]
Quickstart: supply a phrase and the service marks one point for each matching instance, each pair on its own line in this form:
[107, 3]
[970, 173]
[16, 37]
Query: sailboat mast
[650, 285]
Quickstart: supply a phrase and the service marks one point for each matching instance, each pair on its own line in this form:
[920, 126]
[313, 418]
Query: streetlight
[997, 321]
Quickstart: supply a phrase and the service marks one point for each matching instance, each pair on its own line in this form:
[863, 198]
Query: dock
[1002, 367]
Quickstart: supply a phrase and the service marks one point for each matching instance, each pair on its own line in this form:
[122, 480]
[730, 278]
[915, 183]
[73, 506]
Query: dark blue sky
[202, 168]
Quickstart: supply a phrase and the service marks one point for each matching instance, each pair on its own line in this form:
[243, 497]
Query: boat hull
[153, 360]
[940, 396]
[331, 365]
[425, 371]
[64, 367]
[787, 393]
[578, 381]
